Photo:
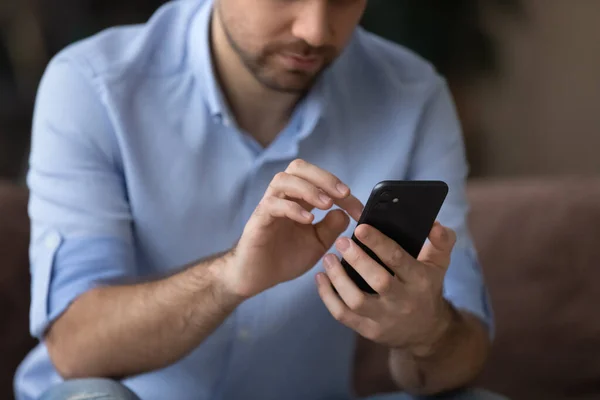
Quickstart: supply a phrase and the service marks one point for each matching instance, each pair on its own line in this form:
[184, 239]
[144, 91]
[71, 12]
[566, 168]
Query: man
[246, 134]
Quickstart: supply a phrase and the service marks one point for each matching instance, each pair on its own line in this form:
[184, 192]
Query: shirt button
[52, 240]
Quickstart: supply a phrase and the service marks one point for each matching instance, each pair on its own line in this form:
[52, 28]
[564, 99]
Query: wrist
[237, 277]
[217, 275]
[442, 328]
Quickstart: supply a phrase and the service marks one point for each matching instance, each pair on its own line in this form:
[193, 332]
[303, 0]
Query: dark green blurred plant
[449, 33]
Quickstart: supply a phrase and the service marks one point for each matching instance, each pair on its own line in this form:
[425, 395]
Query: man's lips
[298, 62]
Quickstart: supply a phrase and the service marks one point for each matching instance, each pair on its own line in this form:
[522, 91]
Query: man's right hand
[280, 242]
[108, 331]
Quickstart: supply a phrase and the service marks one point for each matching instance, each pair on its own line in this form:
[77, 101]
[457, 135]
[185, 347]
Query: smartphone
[404, 211]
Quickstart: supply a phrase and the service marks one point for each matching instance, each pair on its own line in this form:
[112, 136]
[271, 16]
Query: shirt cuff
[63, 269]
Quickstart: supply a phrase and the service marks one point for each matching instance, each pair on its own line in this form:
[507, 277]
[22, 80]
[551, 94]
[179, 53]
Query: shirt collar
[201, 59]
[308, 112]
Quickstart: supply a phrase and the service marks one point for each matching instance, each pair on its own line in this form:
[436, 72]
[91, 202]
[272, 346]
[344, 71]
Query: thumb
[439, 248]
[331, 227]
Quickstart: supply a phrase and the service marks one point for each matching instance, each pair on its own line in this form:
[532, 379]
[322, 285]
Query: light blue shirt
[137, 169]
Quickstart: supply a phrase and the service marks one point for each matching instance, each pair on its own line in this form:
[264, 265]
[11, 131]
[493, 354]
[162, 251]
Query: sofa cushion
[14, 283]
[539, 244]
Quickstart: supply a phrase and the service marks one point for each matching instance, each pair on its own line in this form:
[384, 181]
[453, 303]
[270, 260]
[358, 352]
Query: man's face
[286, 44]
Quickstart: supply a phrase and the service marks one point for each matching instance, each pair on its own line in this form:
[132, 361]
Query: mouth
[302, 63]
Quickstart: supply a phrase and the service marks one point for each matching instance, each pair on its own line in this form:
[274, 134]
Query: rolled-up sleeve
[439, 154]
[80, 219]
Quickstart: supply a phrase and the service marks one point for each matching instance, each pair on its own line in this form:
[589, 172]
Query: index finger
[352, 206]
[328, 183]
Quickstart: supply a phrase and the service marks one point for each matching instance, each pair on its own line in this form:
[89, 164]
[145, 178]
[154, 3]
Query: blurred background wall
[540, 115]
[525, 73]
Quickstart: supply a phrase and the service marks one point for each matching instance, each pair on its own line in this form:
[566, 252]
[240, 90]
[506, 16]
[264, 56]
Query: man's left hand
[409, 310]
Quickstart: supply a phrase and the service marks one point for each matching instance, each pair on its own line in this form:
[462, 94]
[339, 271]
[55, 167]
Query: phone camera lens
[395, 200]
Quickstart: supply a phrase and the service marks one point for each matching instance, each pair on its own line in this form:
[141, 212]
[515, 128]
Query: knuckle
[382, 283]
[268, 202]
[270, 205]
[340, 315]
[293, 207]
[280, 176]
[396, 258]
[275, 186]
[357, 302]
[407, 308]
[297, 164]
[264, 207]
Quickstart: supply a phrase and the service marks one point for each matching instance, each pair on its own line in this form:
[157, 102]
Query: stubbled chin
[288, 81]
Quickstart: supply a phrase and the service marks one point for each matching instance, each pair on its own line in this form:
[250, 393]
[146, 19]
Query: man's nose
[312, 24]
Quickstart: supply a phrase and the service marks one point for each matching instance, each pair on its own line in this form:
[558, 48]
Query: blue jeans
[104, 389]
[472, 394]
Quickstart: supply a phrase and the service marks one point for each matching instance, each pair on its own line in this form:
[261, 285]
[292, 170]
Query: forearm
[126, 330]
[453, 362]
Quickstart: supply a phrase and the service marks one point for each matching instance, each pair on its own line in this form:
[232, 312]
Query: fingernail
[343, 189]
[327, 261]
[324, 198]
[319, 278]
[306, 214]
[343, 244]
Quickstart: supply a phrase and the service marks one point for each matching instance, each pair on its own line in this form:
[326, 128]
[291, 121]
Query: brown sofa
[539, 242]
